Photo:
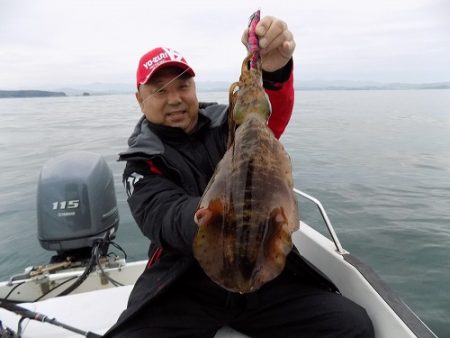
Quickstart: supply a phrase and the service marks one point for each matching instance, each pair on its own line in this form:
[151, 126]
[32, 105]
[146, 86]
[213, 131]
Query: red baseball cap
[157, 59]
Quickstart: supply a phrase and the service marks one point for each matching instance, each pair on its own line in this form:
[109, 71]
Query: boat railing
[325, 218]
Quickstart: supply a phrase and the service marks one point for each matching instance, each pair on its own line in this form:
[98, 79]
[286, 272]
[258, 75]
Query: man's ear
[140, 100]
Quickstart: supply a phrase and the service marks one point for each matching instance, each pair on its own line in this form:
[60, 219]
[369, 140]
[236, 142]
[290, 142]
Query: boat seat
[94, 311]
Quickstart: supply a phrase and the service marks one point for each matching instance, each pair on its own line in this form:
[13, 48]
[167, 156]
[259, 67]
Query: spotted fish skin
[243, 240]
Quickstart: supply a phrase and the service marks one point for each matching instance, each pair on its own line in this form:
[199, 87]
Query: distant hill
[29, 93]
[123, 88]
[99, 89]
[213, 86]
[217, 86]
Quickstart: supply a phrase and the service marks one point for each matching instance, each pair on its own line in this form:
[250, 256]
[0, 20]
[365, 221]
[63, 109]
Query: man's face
[170, 100]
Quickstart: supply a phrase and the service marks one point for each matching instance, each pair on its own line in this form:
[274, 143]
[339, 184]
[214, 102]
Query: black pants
[286, 307]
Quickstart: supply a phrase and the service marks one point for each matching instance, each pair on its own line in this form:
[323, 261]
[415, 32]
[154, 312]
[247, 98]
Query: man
[171, 157]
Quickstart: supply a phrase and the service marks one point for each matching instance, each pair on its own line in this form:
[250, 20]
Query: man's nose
[174, 97]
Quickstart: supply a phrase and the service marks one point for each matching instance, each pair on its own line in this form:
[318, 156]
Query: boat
[84, 288]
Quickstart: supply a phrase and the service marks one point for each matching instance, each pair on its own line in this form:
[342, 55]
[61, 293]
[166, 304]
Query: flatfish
[248, 211]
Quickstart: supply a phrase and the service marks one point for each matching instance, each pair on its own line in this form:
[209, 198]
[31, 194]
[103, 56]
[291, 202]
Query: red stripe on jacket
[282, 101]
[153, 168]
[155, 257]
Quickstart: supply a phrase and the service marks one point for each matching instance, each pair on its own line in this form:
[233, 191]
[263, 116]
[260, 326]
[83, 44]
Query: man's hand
[202, 216]
[276, 43]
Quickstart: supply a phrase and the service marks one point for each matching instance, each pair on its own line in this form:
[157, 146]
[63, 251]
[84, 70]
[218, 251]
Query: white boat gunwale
[404, 312]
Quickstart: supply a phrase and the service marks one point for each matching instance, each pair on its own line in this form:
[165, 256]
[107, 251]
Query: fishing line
[167, 84]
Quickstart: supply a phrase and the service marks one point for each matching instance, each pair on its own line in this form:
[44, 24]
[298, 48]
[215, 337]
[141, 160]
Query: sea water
[379, 161]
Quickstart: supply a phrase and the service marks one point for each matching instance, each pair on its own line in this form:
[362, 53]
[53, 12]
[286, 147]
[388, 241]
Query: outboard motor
[76, 203]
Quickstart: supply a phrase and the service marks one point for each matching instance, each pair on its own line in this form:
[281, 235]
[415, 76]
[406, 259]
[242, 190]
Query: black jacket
[167, 172]
[165, 175]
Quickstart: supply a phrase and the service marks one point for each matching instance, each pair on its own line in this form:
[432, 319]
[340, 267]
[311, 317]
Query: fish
[248, 212]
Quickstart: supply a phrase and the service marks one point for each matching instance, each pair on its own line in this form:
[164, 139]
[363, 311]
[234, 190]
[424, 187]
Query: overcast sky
[45, 43]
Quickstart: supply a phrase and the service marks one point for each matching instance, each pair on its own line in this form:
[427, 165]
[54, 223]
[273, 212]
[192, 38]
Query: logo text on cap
[168, 53]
